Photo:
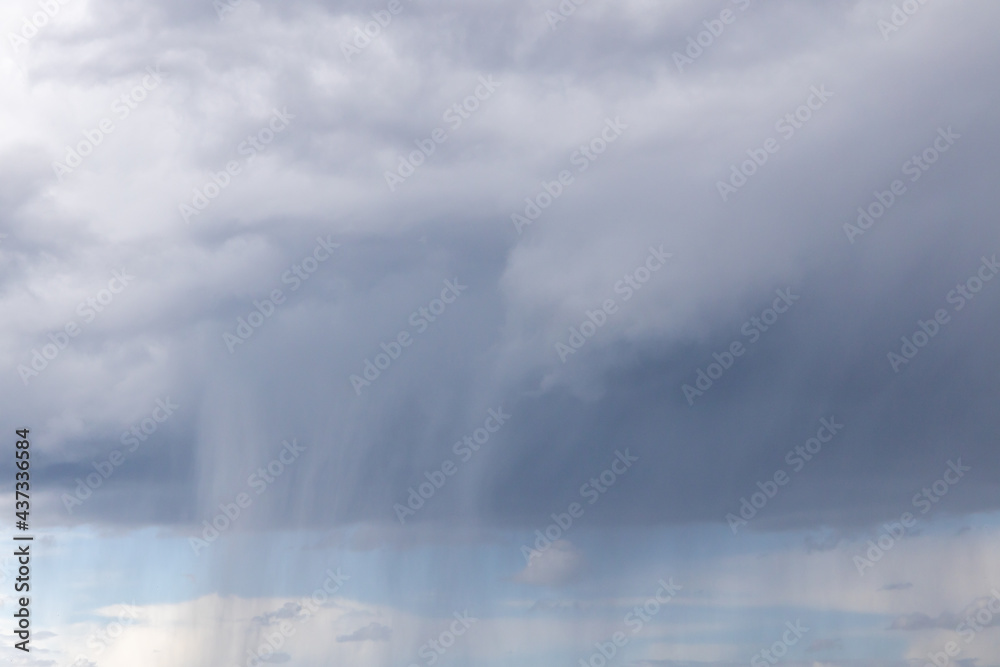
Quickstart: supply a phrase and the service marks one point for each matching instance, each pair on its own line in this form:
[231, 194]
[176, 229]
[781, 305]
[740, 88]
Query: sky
[652, 333]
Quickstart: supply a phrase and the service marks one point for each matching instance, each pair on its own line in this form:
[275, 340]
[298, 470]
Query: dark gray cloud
[963, 619]
[495, 346]
[423, 363]
[373, 632]
[901, 586]
[290, 610]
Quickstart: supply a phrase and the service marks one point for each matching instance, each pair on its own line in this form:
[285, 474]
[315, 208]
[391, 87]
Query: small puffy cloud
[946, 620]
[558, 565]
[373, 632]
[901, 586]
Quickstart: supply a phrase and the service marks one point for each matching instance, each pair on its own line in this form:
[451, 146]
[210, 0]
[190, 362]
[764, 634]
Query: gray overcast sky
[488, 248]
